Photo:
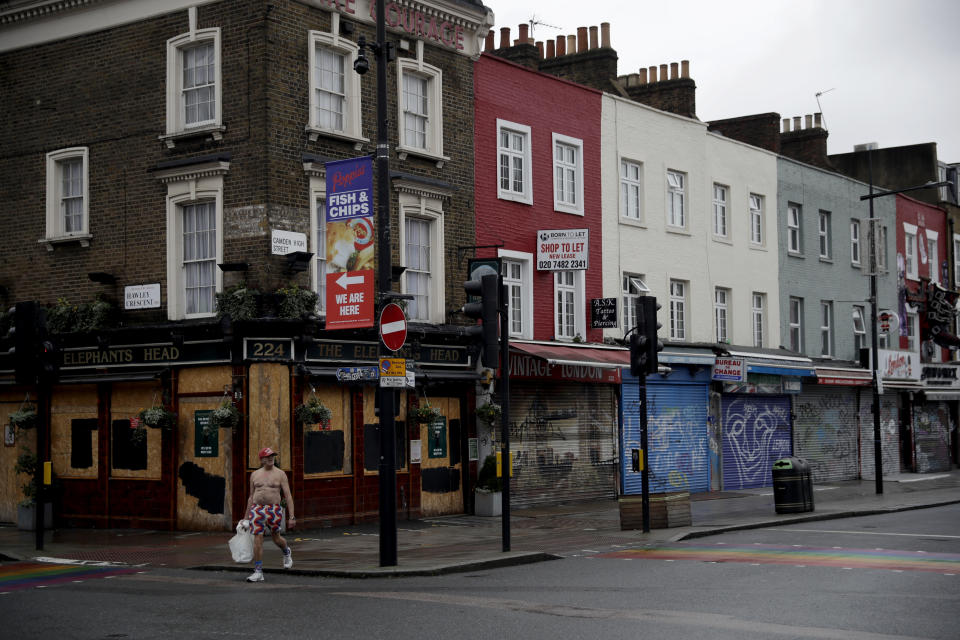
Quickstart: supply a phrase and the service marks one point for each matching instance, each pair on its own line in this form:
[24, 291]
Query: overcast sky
[888, 70]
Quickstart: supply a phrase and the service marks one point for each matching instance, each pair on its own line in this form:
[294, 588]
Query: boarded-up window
[322, 451]
[81, 446]
[327, 446]
[371, 445]
[128, 453]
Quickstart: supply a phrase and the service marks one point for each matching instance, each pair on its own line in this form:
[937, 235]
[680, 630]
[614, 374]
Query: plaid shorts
[265, 516]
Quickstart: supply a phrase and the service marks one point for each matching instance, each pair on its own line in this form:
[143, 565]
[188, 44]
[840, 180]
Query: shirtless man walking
[264, 510]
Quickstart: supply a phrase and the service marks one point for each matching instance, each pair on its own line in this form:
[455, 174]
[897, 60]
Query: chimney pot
[684, 68]
[653, 74]
[674, 70]
[489, 42]
[571, 44]
[786, 125]
[643, 76]
[540, 49]
[663, 72]
[504, 37]
[561, 46]
[796, 123]
[524, 32]
[605, 35]
[818, 120]
[551, 49]
[594, 42]
[581, 39]
[809, 121]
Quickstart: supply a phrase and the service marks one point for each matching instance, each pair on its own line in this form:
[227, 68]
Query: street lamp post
[871, 196]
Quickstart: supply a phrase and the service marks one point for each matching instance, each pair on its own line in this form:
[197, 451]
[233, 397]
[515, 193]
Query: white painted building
[691, 215]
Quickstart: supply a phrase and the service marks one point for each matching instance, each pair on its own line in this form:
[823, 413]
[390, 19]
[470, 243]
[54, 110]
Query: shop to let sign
[563, 249]
[349, 244]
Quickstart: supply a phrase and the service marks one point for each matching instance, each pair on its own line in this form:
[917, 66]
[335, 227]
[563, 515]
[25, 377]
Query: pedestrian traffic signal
[652, 345]
[486, 311]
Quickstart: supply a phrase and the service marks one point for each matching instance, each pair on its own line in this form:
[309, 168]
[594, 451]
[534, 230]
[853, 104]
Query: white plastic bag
[241, 545]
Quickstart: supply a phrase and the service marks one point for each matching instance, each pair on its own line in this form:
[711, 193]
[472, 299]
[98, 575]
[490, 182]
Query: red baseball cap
[266, 452]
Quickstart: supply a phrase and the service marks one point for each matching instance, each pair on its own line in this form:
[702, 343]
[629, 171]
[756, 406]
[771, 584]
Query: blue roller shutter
[677, 436]
[755, 433]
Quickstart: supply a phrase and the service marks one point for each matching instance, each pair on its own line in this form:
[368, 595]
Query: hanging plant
[226, 416]
[296, 303]
[239, 302]
[313, 411]
[489, 412]
[425, 413]
[157, 417]
[23, 418]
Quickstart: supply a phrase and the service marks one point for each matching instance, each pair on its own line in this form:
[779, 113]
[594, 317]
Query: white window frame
[758, 301]
[794, 237]
[575, 207]
[859, 330]
[632, 287]
[676, 182]
[913, 339]
[579, 305]
[910, 255]
[525, 291]
[721, 314]
[825, 234]
[826, 328]
[720, 218]
[176, 116]
[933, 255]
[189, 185]
[352, 128]
[525, 195]
[756, 219]
[434, 127]
[317, 240]
[428, 206]
[55, 224]
[631, 186]
[795, 319]
[856, 254]
[679, 311]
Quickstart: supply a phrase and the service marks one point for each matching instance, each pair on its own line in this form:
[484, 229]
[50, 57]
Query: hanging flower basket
[313, 411]
[226, 416]
[157, 417]
[24, 418]
[424, 413]
[489, 412]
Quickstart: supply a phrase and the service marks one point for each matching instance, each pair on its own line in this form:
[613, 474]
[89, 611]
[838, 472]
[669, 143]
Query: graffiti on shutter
[825, 432]
[889, 435]
[756, 432]
[932, 437]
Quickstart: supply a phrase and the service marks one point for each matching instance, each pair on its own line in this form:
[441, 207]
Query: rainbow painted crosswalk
[892, 559]
[30, 575]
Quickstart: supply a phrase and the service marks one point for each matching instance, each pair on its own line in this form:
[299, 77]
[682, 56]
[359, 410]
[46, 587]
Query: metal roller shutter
[563, 439]
[889, 435]
[825, 432]
[931, 437]
[755, 432]
[676, 436]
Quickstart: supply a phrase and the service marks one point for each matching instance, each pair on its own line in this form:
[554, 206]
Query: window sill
[214, 132]
[631, 222]
[83, 239]
[794, 254]
[403, 152]
[758, 247]
[570, 210]
[314, 134]
[826, 259]
[723, 240]
[514, 197]
[680, 231]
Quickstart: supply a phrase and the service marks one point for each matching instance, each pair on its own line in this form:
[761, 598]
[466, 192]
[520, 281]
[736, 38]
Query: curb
[516, 559]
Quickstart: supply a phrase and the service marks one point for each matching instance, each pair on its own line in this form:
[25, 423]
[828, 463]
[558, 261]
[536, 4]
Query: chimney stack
[807, 144]
[489, 42]
[504, 37]
[524, 33]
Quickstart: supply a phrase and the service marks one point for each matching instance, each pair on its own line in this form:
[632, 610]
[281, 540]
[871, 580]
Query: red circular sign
[393, 327]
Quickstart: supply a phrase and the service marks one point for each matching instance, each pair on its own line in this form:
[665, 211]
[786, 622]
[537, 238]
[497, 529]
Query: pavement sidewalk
[448, 544]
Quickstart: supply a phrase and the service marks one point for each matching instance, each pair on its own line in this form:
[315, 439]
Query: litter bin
[792, 487]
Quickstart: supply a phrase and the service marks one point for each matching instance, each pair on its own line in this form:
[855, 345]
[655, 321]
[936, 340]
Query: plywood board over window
[128, 460]
[204, 493]
[204, 380]
[327, 449]
[268, 403]
[75, 437]
[371, 433]
[10, 482]
[440, 468]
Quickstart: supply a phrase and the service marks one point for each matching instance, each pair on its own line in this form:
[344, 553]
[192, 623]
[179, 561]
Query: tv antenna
[534, 22]
[819, 108]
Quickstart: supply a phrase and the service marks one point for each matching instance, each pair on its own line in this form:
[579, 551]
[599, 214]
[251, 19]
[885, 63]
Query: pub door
[441, 489]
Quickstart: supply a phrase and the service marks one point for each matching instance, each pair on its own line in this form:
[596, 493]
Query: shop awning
[844, 376]
[942, 395]
[423, 375]
[603, 358]
[679, 355]
[777, 365]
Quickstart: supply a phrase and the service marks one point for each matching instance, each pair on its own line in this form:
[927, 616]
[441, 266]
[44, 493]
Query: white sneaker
[287, 560]
[256, 576]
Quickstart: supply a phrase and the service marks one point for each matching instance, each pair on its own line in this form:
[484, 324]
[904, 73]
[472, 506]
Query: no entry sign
[393, 327]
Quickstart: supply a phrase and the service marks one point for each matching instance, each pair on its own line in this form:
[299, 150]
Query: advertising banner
[350, 244]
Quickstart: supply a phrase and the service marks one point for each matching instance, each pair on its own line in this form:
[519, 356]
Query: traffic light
[638, 345]
[23, 339]
[486, 311]
[649, 308]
